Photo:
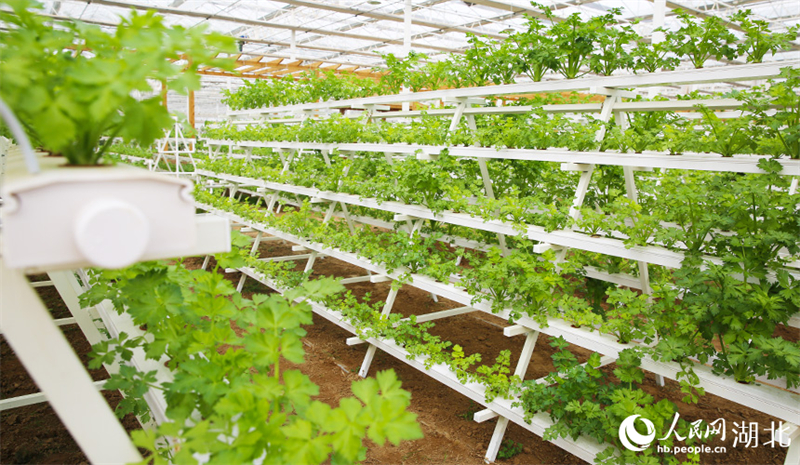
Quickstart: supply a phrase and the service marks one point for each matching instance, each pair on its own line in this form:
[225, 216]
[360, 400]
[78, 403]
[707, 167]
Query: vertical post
[164, 93]
[191, 108]
[630, 187]
[293, 46]
[406, 42]
[407, 28]
[487, 184]
[791, 437]
[659, 14]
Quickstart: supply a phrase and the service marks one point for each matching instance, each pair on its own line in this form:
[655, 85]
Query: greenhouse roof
[355, 32]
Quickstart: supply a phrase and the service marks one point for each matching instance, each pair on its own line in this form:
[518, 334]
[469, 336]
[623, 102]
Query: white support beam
[515, 330]
[353, 341]
[484, 415]
[443, 314]
[47, 356]
[356, 279]
[35, 398]
[659, 15]
[69, 289]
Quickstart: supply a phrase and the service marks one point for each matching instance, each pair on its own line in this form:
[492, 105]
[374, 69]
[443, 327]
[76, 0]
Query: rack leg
[240, 284]
[44, 351]
[502, 422]
[310, 263]
[793, 453]
[387, 308]
[497, 440]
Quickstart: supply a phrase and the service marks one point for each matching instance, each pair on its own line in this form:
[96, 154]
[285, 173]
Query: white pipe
[22, 139]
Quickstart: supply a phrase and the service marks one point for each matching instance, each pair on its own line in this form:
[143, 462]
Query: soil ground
[35, 435]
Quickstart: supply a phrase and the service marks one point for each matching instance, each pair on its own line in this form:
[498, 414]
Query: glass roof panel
[349, 29]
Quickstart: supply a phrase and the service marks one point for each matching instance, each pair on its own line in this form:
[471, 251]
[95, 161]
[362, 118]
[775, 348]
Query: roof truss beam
[251, 22]
[386, 17]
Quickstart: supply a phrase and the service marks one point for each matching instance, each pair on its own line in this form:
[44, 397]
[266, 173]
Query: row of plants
[418, 342]
[603, 44]
[721, 329]
[571, 384]
[711, 214]
[516, 281]
[229, 398]
[539, 193]
[572, 47]
[757, 129]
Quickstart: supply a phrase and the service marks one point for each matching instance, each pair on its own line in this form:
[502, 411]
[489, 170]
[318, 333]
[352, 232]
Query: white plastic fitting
[111, 233]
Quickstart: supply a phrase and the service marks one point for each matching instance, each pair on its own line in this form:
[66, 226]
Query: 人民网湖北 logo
[637, 433]
[631, 438]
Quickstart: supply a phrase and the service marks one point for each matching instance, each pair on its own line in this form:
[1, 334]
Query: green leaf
[299, 389]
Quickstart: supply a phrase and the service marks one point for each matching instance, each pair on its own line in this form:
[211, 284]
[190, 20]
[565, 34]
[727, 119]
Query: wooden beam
[263, 71]
[248, 68]
[257, 66]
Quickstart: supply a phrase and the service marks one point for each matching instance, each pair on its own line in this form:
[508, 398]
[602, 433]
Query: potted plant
[70, 86]
[75, 88]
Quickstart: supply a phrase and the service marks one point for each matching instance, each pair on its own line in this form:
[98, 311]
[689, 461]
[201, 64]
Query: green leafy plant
[726, 137]
[574, 39]
[582, 400]
[493, 61]
[729, 309]
[780, 131]
[611, 52]
[73, 84]
[229, 396]
[653, 56]
[701, 40]
[680, 136]
[509, 448]
[759, 40]
[626, 317]
[401, 70]
[536, 51]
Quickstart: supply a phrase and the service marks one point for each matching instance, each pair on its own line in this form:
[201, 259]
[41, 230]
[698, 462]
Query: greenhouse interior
[400, 232]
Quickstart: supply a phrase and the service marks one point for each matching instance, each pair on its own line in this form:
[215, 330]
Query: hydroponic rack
[773, 400]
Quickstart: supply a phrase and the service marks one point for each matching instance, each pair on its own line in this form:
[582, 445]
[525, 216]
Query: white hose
[22, 139]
